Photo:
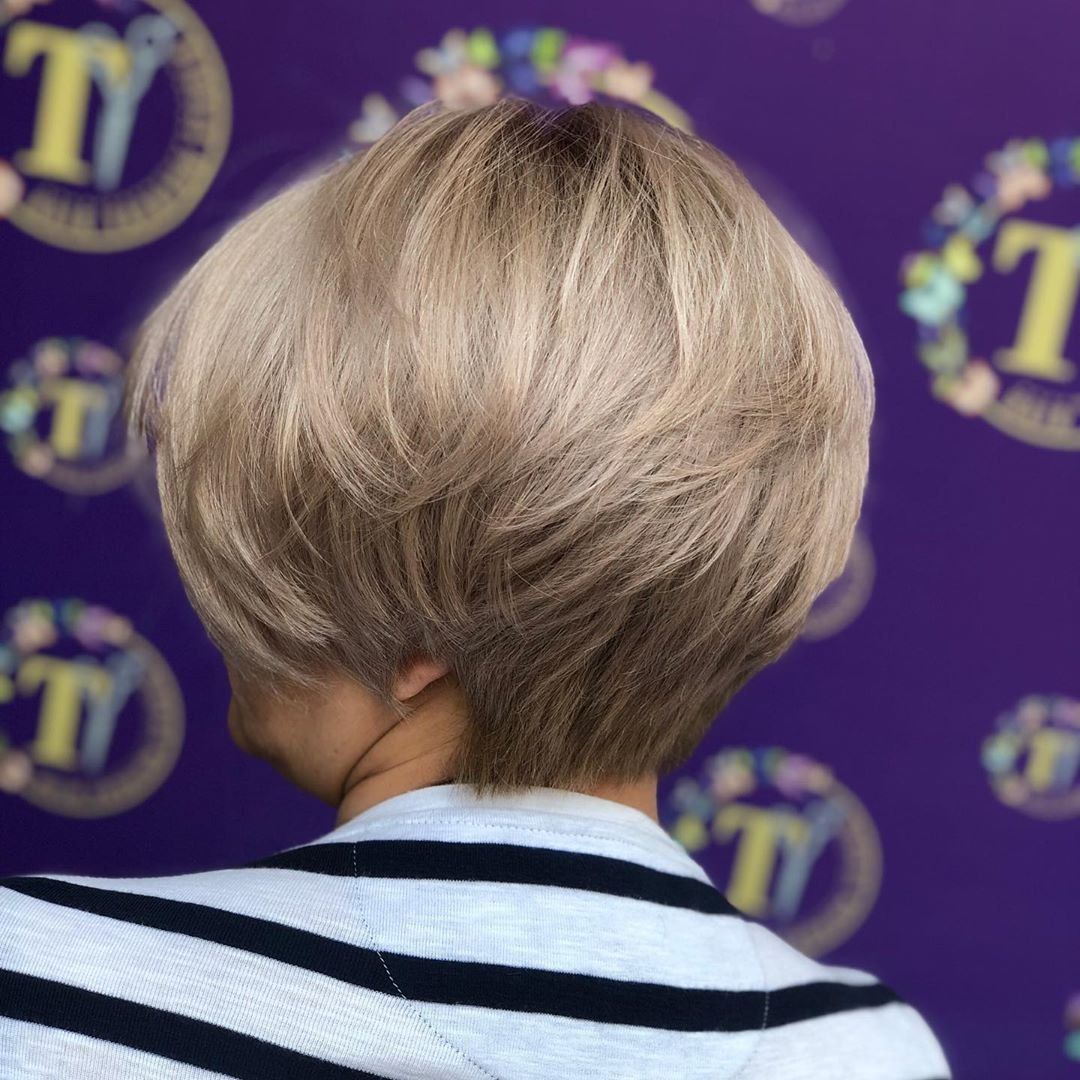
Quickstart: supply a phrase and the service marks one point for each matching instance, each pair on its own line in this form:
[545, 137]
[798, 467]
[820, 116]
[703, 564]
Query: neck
[371, 790]
[418, 752]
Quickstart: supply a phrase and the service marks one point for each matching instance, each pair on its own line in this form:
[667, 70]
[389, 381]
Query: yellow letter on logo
[1051, 297]
[67, 684]
[65, 93]
[755, 858]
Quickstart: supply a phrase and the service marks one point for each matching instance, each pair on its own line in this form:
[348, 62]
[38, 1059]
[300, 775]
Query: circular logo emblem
[59, 413]
[477, 68]
[993, 293]
[797, 849]
[844, 599]
[120, 111]
[1033, 758]
[91, 718]
[799, 12]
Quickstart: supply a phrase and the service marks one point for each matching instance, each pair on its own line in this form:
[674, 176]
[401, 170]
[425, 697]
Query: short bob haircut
[548, 394]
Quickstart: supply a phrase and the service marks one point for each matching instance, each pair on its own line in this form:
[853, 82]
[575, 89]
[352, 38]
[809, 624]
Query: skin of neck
[350, 750]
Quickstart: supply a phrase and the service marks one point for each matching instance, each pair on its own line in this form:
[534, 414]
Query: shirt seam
[414, 1008]
[743, 1073]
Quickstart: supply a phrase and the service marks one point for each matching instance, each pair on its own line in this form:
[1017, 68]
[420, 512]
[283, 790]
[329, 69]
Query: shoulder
[208, 905]
[823, 1021]
[212, 963]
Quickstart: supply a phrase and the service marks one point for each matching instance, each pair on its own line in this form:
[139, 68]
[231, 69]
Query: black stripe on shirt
[518, 864]
[157, 1031]
[464, 982]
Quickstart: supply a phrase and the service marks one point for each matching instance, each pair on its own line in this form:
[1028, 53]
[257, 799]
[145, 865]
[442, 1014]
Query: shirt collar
[584, 814]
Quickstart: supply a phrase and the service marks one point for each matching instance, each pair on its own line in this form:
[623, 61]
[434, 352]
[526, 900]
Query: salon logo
[790, 845]
[799, 12]
[1033, 757]
[476, 67]
[59, 411]
[120, 113]
[844, 599]
[994, 292]
[91, 719]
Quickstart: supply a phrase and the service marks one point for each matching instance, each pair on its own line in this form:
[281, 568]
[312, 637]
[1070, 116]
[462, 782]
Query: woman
[495, 460]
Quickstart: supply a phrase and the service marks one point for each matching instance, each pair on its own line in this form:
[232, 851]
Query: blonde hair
[548, 394]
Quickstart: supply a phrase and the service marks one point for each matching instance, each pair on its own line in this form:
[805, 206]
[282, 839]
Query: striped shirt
[436, 935]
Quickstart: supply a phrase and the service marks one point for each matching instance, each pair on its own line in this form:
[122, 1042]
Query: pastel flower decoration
[1072, 1045]
[999, 752]
[51, 357]
[9, 661]
[791, 775]
[450, 54]
[981, 223]
[626, 81]
[936, 299]
[955, 205]
[1020, 185]
[90, 626]
[16, 771]
[973, 391]
[32, 630]
[117, 630]
[12, 188]
[1010, 156]
[1020, 172]
[11, 9]
[94, 359]
[1064, 164]
[916, 270]
[1031, 713]
[414, 90]
[1072, 1011]
[945, 352]
[36, 459]
[580, 65]
[18, 408]
[1067, 711]
[516, 47]
[377, 117]
[1012, 790]
[959, 258]
[467, 86]
[688, 797]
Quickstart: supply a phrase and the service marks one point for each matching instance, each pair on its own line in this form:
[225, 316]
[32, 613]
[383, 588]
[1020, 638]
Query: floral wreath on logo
[37, 624]
[476, 67]
[20, 404]
[737, 772]
[935, 279]
[1072, 1027]
[1002, 750]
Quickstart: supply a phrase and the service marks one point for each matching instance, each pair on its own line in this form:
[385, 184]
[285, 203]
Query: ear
[416, 674]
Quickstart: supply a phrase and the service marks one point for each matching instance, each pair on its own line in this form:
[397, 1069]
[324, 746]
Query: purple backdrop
[920, 818]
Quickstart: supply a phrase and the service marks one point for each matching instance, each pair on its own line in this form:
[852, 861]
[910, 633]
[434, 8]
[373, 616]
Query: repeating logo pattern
[1033, 758]
[91, 718]
[126, 115]
[796, 848]
[60, 415]
[1026, 388]
[476, 67]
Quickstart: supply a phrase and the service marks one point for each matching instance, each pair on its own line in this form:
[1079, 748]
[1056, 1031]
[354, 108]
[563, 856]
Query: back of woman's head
[547, 394]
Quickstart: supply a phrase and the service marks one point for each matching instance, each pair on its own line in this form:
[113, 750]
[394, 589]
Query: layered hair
[548, 394]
